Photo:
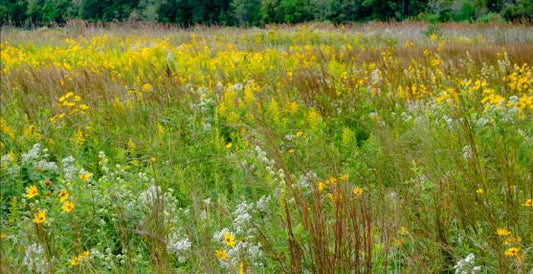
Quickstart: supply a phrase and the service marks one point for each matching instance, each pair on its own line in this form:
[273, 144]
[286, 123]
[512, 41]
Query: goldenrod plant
[312, 148]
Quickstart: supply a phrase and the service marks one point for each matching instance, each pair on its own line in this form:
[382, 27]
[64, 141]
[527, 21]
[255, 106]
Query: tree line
[31, 13]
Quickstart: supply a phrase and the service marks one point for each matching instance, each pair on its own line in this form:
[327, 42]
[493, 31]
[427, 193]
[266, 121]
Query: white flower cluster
[467, 265]
[103, 162]
[34, 259]
[9, 166]
[242, 217]
[179, 245]
[36, 157]
[69, 168]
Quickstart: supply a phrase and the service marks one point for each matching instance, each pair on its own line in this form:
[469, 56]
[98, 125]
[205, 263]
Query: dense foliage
[259, 12]
[302, 149]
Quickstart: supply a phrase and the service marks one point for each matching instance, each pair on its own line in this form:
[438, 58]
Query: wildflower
[528, 203]
[511, 252]
[40, 217]
[403, 231]
[502, 232]
[321, 186]
[85, 254]
[31, 191]
[152, 160]
[63, 195]
[221, 254]
[229, 145]
[241, 267]
[480, 191]
[68, 206]
[299, 134]
[147, 87]
[512, 240]
[292, 150]
[230, 240]
[344, 177]
[75, 261]
[357, 191]
[84, 177]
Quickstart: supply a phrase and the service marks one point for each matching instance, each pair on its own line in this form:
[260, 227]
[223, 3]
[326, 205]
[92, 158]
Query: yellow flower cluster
[71, 105]
[510, 241]
[5, 129]
[75, 261]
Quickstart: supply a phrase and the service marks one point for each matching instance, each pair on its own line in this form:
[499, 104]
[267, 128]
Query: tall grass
[310, 148]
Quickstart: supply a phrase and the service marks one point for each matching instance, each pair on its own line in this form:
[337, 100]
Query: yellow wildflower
[511, 252]
[31, 191]
[299, 134]
[357, 191]
[344, 177]
[63, 195]
[229, 145]
[403, 231]
[221, 254]
[502, 232]
[84, 177]
[147, 87]
[4, 128]
[230, 240]
[241, 268]
[68, 206]
[40, 217]
[85, 254]
[75, 261]
[528, 203]
[512, 240]
[480, 191]
[321, 186]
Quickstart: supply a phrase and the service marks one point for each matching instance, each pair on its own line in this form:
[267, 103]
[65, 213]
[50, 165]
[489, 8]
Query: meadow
[370, 148]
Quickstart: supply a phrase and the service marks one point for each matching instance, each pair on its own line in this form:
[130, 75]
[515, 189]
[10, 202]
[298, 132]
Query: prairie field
[312, 148]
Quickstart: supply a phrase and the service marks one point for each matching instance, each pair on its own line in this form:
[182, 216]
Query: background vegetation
[311, 148]
[30, 13]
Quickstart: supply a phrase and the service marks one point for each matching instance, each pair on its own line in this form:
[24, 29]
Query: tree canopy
[30, 13]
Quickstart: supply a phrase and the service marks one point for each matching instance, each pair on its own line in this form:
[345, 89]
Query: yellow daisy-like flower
[502, 232]
[31, 191]
[321, 186]
[40, 217]
[403, 231]
[68, 206]
[63, 195]
[480, 191]
[147, 87]
[75, 261]
[221, 254]
[85, 254]
[299, 134]
[230, 240]
[511, 252]
[229, 145]
[528, 203]
[357, 191]
[86, 176]
[344, 177]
